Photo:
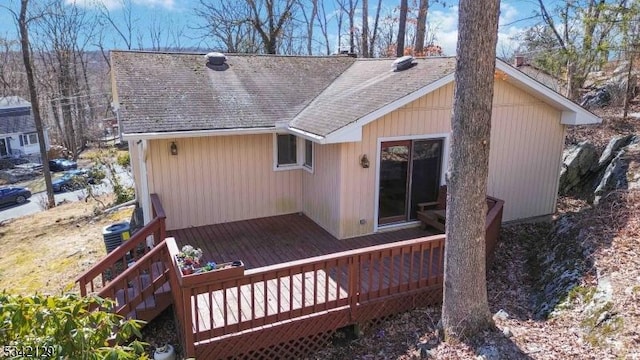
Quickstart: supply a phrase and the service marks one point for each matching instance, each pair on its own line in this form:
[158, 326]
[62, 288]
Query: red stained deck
[278, 239]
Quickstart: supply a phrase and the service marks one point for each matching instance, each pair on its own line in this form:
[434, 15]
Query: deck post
[353, 287]
[189, 345]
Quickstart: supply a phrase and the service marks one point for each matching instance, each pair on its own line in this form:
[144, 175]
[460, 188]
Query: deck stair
[153, 304]
[141, 289]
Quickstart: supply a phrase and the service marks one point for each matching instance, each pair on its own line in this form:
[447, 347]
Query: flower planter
[224, 271]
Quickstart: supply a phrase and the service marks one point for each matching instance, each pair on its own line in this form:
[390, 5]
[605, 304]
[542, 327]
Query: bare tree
[365, 28]
[402, 28]
[421, 27]
[323, 22]
[12, 76]
[63, 34]
[581, 30]
[310, 22]
[349, 7]
[227, 23]
[465, 309]
[374, 35]
[23, 25]
[269, 17]
[125, 28]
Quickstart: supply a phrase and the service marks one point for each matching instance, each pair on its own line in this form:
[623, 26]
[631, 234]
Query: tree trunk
[374, 36]
[627, 90]
[402, 27]
[33, 94]
[352, 15]
[421, 27]
[365, 28]
[465, 309]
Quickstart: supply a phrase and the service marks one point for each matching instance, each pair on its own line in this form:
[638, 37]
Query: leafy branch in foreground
[66, 327]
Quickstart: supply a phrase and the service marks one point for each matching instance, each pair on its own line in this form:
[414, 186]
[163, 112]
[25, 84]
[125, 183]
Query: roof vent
[403, 63]
[215, 58]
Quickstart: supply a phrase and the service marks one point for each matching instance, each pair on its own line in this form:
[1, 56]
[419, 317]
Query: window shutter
[21, 141]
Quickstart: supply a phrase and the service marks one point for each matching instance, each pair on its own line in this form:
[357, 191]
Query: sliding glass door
[409, 174]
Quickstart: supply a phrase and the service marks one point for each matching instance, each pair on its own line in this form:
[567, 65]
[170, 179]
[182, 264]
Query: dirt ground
[45, 252]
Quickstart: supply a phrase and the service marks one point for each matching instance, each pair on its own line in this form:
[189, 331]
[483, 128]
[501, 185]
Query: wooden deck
[300, 283]
[278, 239]
[294, 291]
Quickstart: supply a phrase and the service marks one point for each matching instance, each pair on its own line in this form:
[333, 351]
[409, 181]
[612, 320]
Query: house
[18, 136]
[353, 144]
[293, 168]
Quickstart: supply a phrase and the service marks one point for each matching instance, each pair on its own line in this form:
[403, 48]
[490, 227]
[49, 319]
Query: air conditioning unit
[115, 234]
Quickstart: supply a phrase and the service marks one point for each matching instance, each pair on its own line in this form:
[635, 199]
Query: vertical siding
[430, 114]
[321, 198]
[527, 140]
[220, 179]
[135, 166]
[526, 147]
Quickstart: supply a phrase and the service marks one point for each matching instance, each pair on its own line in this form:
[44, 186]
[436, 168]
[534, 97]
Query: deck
[278, 239]
[282, 239]
[297, 286]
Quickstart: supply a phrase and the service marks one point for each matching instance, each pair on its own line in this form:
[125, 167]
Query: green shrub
[63, 327]
[124, 159]
[97, 173]
[123, 193]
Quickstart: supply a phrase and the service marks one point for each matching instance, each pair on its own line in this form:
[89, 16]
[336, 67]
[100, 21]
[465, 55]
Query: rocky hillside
[568, 289]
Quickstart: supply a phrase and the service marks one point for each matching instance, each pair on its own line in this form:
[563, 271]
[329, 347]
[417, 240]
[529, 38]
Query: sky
[514, 17]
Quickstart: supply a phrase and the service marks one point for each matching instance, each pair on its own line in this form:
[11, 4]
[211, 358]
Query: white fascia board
[353, 131]
[306, 135]
[573, 114]
[198, 133]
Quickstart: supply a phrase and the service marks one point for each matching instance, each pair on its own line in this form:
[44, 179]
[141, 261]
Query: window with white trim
[308, 154]
[29, 139]
[286, 150]
[292, 152]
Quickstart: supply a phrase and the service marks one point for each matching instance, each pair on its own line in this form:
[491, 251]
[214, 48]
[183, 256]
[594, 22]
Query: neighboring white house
[18, 136]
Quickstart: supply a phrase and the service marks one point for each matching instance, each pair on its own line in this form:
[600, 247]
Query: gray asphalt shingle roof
[368, 85]
[15, 116]
[160, 92]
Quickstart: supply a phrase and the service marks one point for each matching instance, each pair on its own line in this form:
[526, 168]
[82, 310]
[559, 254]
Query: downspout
[144, 196]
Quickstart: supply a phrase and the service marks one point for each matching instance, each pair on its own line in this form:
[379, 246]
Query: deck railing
[349, 287]
[138, 287]
[112, 265]
[343, 281]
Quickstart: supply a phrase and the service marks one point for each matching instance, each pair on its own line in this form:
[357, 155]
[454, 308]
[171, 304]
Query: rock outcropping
[583, 170]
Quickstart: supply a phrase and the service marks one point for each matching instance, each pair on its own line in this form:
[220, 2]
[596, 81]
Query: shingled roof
[323, 98]
[161, 92]
[15, 116]
[368, 85]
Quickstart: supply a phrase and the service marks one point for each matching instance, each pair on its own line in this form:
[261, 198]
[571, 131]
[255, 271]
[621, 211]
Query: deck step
[152, 305]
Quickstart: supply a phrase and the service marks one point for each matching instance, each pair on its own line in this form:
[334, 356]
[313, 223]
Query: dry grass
[46, 251]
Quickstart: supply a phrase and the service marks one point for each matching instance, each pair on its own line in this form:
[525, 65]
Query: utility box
[115, 234]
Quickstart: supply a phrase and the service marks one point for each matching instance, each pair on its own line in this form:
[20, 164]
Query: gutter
[198, 133]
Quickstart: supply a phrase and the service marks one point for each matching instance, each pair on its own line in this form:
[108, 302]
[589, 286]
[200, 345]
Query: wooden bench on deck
[434, 213]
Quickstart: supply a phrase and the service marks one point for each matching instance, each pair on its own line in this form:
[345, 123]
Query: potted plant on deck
[189, 259]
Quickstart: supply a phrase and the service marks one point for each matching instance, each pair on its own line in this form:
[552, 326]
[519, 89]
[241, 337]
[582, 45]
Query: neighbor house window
[308, 154]
[287, 150]
[29, 139]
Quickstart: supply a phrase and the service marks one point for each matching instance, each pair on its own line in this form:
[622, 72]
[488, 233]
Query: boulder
[488, 352]
[618, 174]
[577, 163]
[612, 147]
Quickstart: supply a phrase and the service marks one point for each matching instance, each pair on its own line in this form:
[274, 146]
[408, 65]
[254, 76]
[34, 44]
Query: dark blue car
[62, 165]
[14, 195]
[73, 180]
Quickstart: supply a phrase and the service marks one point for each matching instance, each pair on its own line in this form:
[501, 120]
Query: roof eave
[572, 113]
[353, 131]
[198, 133]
